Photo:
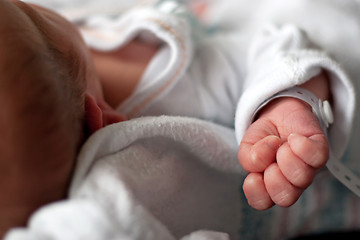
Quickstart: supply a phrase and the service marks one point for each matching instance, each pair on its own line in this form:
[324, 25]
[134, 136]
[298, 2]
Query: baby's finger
[257, 157]
[281, 191]
[255, 192]
[312, 150]
[296, 171]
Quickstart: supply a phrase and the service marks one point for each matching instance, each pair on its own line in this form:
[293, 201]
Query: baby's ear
[93, 114]
[99, 116]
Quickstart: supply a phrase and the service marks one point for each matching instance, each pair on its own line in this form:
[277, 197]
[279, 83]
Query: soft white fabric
[148, 178]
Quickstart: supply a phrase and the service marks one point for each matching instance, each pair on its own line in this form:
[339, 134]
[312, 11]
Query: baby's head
[43, 73]
[48, 92]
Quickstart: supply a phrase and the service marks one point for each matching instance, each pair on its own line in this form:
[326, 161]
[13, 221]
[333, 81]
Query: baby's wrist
[319, 86]
[297, 97]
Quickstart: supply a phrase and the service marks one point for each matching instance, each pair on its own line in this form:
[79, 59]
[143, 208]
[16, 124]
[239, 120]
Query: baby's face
[60, 37]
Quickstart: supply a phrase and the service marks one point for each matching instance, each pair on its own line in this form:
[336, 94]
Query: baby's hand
[282, 151]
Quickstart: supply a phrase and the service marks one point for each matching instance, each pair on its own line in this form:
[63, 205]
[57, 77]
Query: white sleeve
[283, 57]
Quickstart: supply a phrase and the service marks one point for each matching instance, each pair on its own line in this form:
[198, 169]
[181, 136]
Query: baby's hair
[70, 79]
[41, 99]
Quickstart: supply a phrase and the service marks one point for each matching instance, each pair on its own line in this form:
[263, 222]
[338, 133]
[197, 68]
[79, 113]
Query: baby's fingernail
[295, 137]
[273, 142]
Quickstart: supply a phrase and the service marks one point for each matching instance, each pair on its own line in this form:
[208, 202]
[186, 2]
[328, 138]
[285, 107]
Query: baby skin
[283, 149]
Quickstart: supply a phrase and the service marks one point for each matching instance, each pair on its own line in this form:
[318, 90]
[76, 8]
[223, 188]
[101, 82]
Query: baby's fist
[282, 151]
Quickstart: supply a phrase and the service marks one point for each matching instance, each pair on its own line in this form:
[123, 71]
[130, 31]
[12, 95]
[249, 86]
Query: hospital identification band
[322, 110]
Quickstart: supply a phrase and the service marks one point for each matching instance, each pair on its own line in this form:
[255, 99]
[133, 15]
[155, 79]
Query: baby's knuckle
[286, 197]
[283, 200]
[302, 178]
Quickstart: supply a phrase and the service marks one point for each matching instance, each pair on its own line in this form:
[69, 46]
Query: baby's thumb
[312, 150]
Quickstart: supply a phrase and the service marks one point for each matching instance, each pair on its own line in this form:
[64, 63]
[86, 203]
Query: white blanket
[148, 178]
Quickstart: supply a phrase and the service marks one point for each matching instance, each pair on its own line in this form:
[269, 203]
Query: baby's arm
[283, 149]
[120, 70]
